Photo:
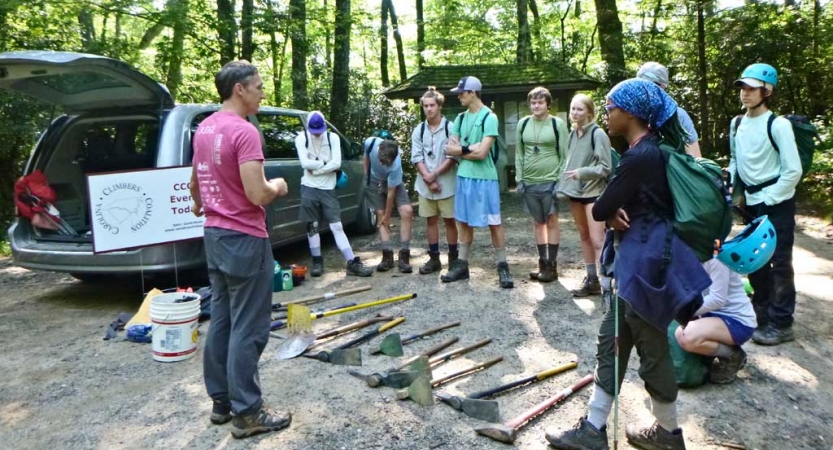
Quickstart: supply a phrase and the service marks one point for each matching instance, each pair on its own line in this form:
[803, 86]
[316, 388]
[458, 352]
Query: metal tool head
[294, 345]
[402, 379]
[487, 410]
[498, 432]
[391, 345]
[346, 357]
[419, 391]
[421, 364]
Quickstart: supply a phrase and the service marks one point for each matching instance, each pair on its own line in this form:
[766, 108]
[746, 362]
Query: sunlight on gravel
[786, 370]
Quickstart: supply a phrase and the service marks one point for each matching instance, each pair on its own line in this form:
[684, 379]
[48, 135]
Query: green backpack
[702, 213]
[806, 137]
[689, 368]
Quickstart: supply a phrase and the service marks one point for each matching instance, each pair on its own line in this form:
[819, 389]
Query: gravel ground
[64, 387]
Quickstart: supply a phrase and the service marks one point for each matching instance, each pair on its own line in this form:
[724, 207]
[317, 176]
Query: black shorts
[584, 201]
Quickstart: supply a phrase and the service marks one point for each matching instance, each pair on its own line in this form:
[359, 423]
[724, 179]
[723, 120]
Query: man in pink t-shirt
[229, 186]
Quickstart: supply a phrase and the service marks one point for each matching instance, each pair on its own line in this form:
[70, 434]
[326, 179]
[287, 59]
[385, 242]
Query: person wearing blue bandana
[657, 275]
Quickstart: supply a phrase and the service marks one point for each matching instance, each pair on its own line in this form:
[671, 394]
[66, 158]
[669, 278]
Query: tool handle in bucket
[427, 353]
[429, 332]
[548, 403]
[439, 359]
[363, 305]
[459, 373]
[322, 297]
[371, 334]
[532, 378]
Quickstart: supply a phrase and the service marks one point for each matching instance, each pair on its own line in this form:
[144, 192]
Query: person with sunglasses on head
[659, 278]
[436, 178]
[539, 161]
[477, 197]
[658, 74]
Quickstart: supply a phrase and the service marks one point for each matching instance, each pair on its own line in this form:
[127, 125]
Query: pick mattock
[378, 379]
[507, 432]
[319, 298]
[300, 320]
[474, 406]
[399, 378]
[393, 342]
[420, 390]
[346, 354]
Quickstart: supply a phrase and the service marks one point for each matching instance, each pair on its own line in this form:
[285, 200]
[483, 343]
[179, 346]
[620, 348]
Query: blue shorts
[477, 202]
[740, 332]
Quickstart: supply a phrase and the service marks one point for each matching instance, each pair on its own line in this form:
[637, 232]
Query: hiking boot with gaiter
[655, 437]
[355, 267]
[549, 274]
[432, 265]
[317, 266]
[589, 286]
[583, 436]
[405, 261]
[457, 270]
[725, 370]
[542, 266]
[387, 261]
[263, 421]
[503, 275]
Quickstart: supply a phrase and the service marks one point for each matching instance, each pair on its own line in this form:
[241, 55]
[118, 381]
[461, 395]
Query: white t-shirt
[320, 160]
[726, 295]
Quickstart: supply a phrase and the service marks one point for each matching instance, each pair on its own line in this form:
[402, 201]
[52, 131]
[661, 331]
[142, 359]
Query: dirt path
[64, 387]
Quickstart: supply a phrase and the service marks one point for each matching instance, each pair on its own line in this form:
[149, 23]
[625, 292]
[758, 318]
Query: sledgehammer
[473, 405]
[507, 432]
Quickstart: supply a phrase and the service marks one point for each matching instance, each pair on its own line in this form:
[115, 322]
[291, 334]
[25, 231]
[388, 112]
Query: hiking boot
[655, 437]
[220, 413]
[317, 266]
[433, 264]
[583, 436]
[355, 267]
[263, 421]
[405, 261]
[772, 335]
[453, 256]
[589, 286]
[725, 370]
[549, 274]
[503, 275]
[457, 270]
[542, 267]
[387, 261]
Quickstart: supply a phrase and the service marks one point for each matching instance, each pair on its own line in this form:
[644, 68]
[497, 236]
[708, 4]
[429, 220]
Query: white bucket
[174, 326]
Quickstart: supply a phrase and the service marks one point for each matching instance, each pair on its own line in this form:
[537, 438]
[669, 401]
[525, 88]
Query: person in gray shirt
[658, 74]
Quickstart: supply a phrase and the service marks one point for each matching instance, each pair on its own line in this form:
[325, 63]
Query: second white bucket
[174, 326]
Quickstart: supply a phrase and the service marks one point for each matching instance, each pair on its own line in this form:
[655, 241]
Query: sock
[542, 251]
[552, 252]
[599, 407]
[386, 246]
[405, 245]
[725, 351]
[666, 414]
[434, 248]
[341, 241]
[314, 244]
[500, 254]
[464, 251]
[452, 248]
[591, 270]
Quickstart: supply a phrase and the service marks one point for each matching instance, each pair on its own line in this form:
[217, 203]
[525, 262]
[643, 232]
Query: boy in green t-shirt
[477, 196]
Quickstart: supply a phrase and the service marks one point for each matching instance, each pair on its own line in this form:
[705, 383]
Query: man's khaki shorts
[430, 208]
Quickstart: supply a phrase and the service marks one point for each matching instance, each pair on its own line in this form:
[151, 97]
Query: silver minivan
[118, 119]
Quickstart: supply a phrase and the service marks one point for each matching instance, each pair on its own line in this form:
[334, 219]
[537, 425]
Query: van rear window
[76, 83]
[106, 147]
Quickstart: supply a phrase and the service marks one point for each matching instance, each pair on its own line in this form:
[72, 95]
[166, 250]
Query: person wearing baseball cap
[765, 178]
[658, 74]
[477, 195]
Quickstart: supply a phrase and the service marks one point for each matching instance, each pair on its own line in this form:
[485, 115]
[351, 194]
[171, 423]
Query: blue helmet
[384, 134]
[751, 249]
[758, 75]
[341, 179]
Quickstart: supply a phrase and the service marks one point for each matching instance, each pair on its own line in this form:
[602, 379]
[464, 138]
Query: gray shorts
[318, 205]
[540, 201]
[377, 196]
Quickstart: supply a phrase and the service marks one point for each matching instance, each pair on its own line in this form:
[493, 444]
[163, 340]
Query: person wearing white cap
[767, 177]
[658, 74]
[477, 196]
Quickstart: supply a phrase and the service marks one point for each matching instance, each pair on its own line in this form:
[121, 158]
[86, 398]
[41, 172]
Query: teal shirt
[546, 164]
[471, 130]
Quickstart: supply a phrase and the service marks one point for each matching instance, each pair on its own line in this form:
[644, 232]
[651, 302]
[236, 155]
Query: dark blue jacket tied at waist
[656, 273]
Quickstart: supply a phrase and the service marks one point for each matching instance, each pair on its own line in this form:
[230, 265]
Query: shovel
[344, 328]
[378, 379]
[392, 342]
[300, 324]
[278, 321]
[507, 432]
[345, 354]
[398, 378]
[318, 298]
[488, 410]
[420, 390]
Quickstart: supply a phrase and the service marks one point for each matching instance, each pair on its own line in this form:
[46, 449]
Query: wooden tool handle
[439, 359]
[326, 296]
[431, 351]
[532, 378]
[364, 305]
[547, 404]
[491, 362]
[429, 332]
[352, 326]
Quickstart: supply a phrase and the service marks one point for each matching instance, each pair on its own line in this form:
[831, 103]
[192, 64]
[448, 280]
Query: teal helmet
[751, 249]
[758, 75]
[384, 134]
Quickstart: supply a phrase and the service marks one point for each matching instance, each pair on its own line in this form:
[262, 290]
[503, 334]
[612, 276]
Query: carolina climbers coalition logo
[123, 207]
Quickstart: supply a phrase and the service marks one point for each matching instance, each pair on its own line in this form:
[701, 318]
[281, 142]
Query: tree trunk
[328, 42]
[589, 49]
[85, 21]
[276, 59]
[383, 38]
[226, 30]
[610, 40]
[298, 26]
[536, 29]
[421, 34]
[524, 48]
[247, 47]
[657, 11]
[179, 13]
[400, 50]
[341, 65]
[703, 83]
[5, 9]
[564, 46]
[578, 9]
